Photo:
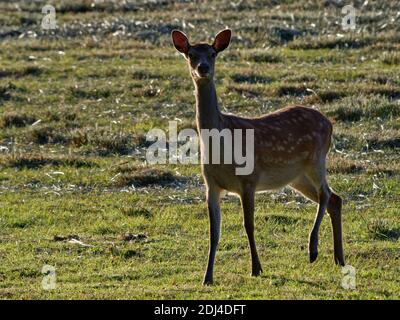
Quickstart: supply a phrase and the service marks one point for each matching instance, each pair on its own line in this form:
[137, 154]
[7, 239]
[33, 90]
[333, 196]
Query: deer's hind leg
[318, 192]
[335, 213]
[305, 186]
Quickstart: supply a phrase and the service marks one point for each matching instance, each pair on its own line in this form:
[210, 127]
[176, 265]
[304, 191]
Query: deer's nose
[203, 68]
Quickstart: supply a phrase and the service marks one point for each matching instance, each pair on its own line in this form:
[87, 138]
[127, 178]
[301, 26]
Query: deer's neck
[208, 115]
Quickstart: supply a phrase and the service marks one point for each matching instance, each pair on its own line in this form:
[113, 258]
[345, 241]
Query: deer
[290, 149]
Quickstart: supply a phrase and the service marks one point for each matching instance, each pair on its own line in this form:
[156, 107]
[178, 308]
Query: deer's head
[201, 56]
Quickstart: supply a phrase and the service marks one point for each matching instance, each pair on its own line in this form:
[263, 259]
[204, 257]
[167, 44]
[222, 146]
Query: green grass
[76, 103]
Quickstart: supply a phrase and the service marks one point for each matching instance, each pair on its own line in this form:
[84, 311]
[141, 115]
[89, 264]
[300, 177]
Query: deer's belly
[262, 179]
[277, 178]
[224, 176]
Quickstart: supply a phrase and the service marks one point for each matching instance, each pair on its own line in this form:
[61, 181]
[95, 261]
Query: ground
[75, 190]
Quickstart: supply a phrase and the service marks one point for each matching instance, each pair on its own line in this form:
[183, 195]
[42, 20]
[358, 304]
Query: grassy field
[77, 194]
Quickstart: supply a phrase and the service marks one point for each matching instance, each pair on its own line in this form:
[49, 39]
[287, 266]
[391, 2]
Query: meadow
[76, 192]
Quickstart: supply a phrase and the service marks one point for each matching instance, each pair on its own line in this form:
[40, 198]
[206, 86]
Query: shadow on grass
[144, 177]
[381, 229]
[35, 161]
[281, 220]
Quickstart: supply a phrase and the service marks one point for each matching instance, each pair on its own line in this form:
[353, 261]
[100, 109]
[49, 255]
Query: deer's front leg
[247, 199]
[213, 198]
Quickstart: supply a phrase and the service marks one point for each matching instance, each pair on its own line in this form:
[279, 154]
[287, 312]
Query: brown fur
[290, 149]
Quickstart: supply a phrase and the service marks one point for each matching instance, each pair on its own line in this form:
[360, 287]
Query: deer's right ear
[180, 41]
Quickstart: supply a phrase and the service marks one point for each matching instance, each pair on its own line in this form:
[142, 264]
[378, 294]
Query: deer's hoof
[208, 282]
[339, 261]
[313, 256]
[256, 272]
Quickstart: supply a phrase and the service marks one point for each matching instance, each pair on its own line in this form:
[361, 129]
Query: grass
[77, 194]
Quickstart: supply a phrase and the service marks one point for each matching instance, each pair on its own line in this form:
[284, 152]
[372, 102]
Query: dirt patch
[65, 238]
[133, 237]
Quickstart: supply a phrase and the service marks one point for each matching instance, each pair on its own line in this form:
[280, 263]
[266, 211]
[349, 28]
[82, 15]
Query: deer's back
[287, 132]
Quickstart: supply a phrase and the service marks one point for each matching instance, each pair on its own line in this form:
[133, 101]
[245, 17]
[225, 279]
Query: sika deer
[290, 147]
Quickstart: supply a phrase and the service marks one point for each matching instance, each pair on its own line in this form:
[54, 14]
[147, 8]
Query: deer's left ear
[222, 40]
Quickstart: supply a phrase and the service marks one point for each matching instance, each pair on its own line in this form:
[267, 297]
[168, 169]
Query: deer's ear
[180, 41]
[222, 40]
